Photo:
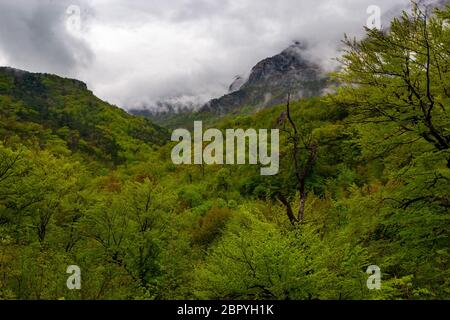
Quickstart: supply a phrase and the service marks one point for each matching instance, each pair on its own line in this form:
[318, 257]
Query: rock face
[237, 84]
[270, 81]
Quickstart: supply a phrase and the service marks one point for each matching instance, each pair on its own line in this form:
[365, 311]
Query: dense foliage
[366, 168]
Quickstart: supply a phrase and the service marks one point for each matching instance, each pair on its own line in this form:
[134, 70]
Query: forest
[364, 179]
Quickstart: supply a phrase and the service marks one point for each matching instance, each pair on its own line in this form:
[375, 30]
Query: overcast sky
[134, 52]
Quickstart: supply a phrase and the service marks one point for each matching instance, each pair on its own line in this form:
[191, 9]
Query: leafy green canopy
[83, 183]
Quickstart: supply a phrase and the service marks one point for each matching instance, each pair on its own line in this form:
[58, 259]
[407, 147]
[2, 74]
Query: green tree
[398, 79]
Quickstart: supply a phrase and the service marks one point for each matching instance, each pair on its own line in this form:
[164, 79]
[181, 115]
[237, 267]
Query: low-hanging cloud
[137, 53]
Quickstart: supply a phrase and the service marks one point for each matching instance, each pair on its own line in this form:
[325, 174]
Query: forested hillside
[41, 109]
[364, 180]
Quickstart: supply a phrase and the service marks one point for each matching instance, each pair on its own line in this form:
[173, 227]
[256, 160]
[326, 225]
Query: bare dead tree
[302, 169]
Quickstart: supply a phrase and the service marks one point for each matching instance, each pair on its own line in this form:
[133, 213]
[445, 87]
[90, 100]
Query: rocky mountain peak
[237, 84]
[270, 80]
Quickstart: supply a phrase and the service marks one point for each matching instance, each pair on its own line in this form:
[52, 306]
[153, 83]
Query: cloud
[135, 53]
[33, 36]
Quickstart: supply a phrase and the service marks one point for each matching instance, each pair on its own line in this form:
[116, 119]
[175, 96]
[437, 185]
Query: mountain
[237, 84]
[39, 108]
[267, 85]
[270, 81]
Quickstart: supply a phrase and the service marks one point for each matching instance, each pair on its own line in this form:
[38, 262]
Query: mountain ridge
[267, 85]
[271, 79]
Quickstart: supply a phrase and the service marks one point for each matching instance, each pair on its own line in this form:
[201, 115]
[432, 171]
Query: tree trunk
[301, 208]
[289, 211]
